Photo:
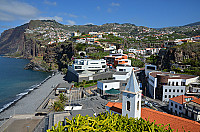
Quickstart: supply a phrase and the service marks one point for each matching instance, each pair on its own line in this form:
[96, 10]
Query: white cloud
[89, 23]
[70, 22]
[72, 15]
[57, 18]
[98, 8]
[14, 10]
[115, 4]
[50, 3]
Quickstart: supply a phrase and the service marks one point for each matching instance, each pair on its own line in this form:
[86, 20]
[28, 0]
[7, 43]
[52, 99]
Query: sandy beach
[29, 103]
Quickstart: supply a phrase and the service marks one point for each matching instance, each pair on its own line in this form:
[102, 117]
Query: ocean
[15, 82]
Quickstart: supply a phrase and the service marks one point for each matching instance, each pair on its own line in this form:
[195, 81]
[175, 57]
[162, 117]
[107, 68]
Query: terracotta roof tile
[196, 101]
[110, 104]
[181, 99]
[162, 118]
[174, 121]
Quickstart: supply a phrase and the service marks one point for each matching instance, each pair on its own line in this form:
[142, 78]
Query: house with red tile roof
[131, 106]
[176, 123]
[176, 104]
[192, 109]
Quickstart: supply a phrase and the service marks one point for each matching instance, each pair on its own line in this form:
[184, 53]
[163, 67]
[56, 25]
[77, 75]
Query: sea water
[15, 82]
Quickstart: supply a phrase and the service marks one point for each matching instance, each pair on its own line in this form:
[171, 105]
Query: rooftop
[120, 73]
[90, 112]
[174, 121]
[197, 101]
[161, 118]
[181, 99]
[172, 76]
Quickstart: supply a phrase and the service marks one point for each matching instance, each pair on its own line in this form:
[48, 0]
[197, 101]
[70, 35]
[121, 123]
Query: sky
[150, 13]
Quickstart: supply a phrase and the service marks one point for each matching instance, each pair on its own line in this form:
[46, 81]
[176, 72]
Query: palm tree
[57, 106]
[62, 97]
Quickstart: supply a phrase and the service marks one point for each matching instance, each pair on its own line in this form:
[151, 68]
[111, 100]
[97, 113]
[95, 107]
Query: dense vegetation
[107, 122]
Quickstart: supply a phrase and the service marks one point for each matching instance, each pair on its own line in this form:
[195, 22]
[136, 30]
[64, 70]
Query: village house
[131, 106]
[176, 104]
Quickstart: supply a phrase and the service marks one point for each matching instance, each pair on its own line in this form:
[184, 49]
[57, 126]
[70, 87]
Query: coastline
[29, 102]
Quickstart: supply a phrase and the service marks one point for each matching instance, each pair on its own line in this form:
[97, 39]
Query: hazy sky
[150, 13]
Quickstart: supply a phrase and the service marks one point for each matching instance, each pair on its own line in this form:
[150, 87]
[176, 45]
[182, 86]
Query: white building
[149, 68]
[89, 66]
[176, 104]
[131, 98]
[124, 68]
[121, 76]
[104, 85]
[164, 85]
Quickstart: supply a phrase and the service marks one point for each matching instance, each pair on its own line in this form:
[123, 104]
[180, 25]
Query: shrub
[108, 122]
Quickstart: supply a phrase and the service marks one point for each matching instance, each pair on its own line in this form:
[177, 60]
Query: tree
[64, 70]
[137, 63]
[62, 98]
[57, 106]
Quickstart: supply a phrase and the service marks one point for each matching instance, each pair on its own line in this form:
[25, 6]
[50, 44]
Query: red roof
[174, 121]
[196, 101]
[162, 118]
[181, 99]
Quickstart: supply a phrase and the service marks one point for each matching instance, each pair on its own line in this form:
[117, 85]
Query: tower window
[138, 105]
[128, 105]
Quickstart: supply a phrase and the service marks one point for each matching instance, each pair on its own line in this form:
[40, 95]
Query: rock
[35, 67]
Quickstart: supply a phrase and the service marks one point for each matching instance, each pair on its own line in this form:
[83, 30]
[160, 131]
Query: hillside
[193, 24]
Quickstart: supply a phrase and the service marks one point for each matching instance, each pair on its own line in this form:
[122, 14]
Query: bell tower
[131, 98]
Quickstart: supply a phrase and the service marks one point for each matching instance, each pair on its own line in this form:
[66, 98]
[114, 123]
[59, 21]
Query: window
[105, 86]
[180, 108]
[173, 96]
[165, 90]
[169, 83]
[177, 90]
[78, 67]
[165, 96]
[169, 96]
[175, 105]
[172, 83]
[128, 106]
[171, 104]
[182, 83]
[123, 84]
[120, 69]
[176, 83]
[181, 90]
[173, 90]
[169, 90]
[138, 105]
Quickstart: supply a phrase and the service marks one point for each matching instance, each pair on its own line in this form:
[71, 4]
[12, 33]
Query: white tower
[131, 98]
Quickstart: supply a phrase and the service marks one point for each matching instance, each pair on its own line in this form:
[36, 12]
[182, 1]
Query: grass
[90, 84]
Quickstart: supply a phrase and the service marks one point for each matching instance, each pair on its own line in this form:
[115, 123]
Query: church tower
[131, 98]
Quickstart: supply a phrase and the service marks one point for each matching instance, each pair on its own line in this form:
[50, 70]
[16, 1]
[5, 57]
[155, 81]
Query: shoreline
[29, 102]
[23, 94]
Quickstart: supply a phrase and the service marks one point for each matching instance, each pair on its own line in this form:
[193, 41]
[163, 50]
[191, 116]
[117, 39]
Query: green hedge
[107, 122]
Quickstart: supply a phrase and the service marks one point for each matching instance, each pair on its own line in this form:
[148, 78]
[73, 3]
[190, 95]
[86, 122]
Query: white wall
[110, 85]
[152, 82]
[121, 77]
[125, 69]
[172, 94]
